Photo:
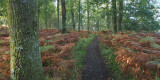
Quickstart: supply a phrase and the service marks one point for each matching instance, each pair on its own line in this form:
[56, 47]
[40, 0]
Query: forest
[79, 40]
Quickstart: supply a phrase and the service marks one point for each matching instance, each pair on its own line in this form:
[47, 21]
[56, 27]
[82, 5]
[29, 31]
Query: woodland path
[95, 67]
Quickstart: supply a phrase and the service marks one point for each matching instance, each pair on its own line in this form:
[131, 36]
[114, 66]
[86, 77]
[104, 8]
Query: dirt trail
[95, 67]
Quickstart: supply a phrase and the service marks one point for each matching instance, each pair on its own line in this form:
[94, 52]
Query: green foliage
[154, 45]
[79, 54]
[150, 39]
[3, 8]
[146, 39]
[157, 79]
[1, 41]
[47, 48]
[140, 15]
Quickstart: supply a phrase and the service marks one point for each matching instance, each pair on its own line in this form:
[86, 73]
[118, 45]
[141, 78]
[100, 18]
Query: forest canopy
[137, 14]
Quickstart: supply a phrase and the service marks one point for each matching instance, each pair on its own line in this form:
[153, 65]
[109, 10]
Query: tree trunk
[114, 16]
[63, 4]
[82, 23]
[108, 17]
[97, 24]
[58, 14]
[46, 17]
[25, 63]
[79, 16]
[120, 15]
[72, 14]
[38, 13]
[88, 15]
[73, 21]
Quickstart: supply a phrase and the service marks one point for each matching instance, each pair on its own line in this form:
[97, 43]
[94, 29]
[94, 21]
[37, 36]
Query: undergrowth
[79, 53]
[150, 40]
[117, 74]
[136, 53]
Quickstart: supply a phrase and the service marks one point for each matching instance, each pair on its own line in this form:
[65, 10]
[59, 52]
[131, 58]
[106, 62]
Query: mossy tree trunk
[63, 4]
[114, 16]
[25, 54]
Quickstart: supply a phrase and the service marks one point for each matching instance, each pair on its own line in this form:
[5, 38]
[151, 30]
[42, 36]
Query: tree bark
[79, 16]
[25, 63]
[120, 15]
[63, 4]
[58, 14]
[114, 16]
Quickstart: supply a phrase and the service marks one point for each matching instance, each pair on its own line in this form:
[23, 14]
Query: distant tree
[63, 4]
[79, 24]
[24, 43]
[46, 13]
[72, 13]
[88, 9]
[120, 15]
[114, 16]
[58, 14]
[108, 16]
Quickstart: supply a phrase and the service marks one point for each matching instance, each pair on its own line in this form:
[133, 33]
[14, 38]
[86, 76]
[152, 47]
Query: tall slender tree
[72, 13]
[63, 4]
[79, 24]
[108, 17]
[58, 14]
[88, 8]
[120, 15]
[25, 63]
[46, 17]
[114, 16]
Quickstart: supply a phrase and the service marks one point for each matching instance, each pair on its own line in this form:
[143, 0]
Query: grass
[79, 53]
[47, 48]
[107, 53]
[59, 34]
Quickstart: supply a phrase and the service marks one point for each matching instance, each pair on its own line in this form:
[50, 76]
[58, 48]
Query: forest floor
[129, 55]
[95, 66]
